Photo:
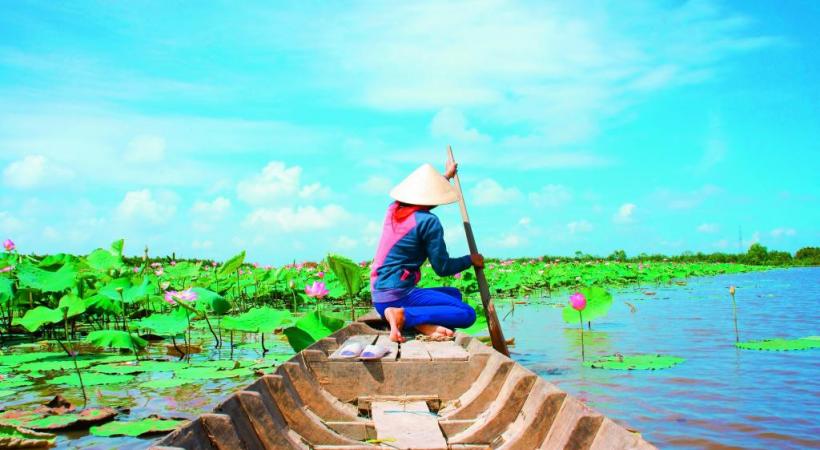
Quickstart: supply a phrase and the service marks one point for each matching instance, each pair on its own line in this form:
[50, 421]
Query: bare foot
[430, 330]
[395, 317]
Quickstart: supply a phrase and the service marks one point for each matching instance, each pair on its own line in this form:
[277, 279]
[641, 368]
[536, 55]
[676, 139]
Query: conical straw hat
[426, 187]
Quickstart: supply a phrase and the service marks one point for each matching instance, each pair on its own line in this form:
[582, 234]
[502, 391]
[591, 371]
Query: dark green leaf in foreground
[635, 362]
[806, 343]
[136, 428]
[19, 437]
[310, 328]
[116, 339]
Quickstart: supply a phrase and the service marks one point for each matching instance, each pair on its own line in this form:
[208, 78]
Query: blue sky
[208, 128]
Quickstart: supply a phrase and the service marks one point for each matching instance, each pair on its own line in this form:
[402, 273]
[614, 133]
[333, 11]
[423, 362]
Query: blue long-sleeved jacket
[403, 248]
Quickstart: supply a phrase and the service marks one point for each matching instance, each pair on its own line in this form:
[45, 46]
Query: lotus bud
[731, 290]
[119, 290]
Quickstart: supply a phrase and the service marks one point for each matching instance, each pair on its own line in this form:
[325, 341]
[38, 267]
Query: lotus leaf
[806, 343]
[599, 301]
[71, 305]
[136, 428]
[166, 383]
[90, 379]
[232, 265]
[635, 362]
[347, 272]
[14, 382]
[209, 373]
[103, 260]
[212, 300]
[6, 393]
[310, 328]
[116, 339]
[164, 324]
[22, 358]
[18, 437]
[257, 320]
[39, 316]
[33, 277]
[82, 419]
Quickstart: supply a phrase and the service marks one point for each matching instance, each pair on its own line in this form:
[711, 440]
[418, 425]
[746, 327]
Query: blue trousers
[432, 306]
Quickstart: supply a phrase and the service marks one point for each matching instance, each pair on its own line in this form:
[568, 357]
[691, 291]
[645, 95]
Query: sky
[207, 128]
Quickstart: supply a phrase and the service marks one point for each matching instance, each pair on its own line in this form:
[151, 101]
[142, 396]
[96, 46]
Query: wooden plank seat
[407, 425]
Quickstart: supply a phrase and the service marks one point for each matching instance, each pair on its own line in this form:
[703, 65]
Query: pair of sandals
[363, 352]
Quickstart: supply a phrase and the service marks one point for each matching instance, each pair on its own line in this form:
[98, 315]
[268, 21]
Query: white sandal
[351, 351]
[374, 352]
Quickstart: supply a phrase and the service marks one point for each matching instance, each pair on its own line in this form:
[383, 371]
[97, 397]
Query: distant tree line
[757, 255]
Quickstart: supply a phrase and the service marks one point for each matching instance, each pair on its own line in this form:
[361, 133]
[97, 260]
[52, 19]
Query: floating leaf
[6, 393]
[14, 382]
[22, 358]
[257, 320]
[134, 428]
[209, 373]
[166, 383]
[142, 366]
[18, 437]
[82, 419]
[91, 379]
[780, 345]
[165, 324]
[635, 362]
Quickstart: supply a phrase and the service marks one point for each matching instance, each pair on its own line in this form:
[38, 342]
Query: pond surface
[720, 397]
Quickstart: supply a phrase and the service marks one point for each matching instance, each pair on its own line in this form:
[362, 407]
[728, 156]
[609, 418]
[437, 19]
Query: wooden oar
[497, 336]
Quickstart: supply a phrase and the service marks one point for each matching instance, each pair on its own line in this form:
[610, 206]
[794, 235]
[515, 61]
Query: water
[720, 397]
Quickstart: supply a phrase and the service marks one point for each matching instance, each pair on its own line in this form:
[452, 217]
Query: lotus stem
[73, 356]
[581, 317]
[216, 338]
[179, 350]
[734, 313]
[264, 350]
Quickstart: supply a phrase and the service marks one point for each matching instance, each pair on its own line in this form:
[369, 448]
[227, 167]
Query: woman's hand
[478, 260]
[451, 169]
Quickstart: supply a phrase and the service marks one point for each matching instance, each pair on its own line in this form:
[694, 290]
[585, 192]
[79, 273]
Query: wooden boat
[457, 394]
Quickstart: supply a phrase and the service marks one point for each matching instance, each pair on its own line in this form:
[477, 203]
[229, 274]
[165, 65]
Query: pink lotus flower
[213, 263]
[241, 272]
[578, 301]
[316, 290]
[8, 244]
[187, 295]
[268, 267]
[173, 263]
[255, 265]
[159, 272]
[164, 285]
[457, 276]
[320, 274]
[6, 269]
[136, 270]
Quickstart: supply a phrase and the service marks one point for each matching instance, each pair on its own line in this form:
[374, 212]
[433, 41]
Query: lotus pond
[151, 342]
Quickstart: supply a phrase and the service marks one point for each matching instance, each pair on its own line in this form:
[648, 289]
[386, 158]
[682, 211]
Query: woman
[411, 235]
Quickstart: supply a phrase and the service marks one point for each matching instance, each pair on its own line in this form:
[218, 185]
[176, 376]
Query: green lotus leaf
[71, 305]
[103, 260]
[91, 379]
[33, 277]
[6, 393]
[310, 328]
[6, 291]
[116, 339]
[22, 358]
[210, 373]
[15, 382]
[39, 316]
[232, 265]
[257, 320]
[347, 272]
[634, 362]
[164, 324]
[135, 428]
[782, 345]
[84, 418]
[18, 437]
[142, 366]
[211, 300]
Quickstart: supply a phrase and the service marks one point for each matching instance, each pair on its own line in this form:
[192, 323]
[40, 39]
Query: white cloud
[213, 210]
[302, 218]
[708, 228]
[277, 182]
[782, 231]
[451, 123]
[551, 195]
[686, 200]
[510, 240]
[624, 214]
[345, 243]
[376, 185]
[34, 171]
[372, 233]
[145, 149]
[144, 205]
[202, 245]
[525, 221]
[9, 223]
[489, 192]
[579, 226]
